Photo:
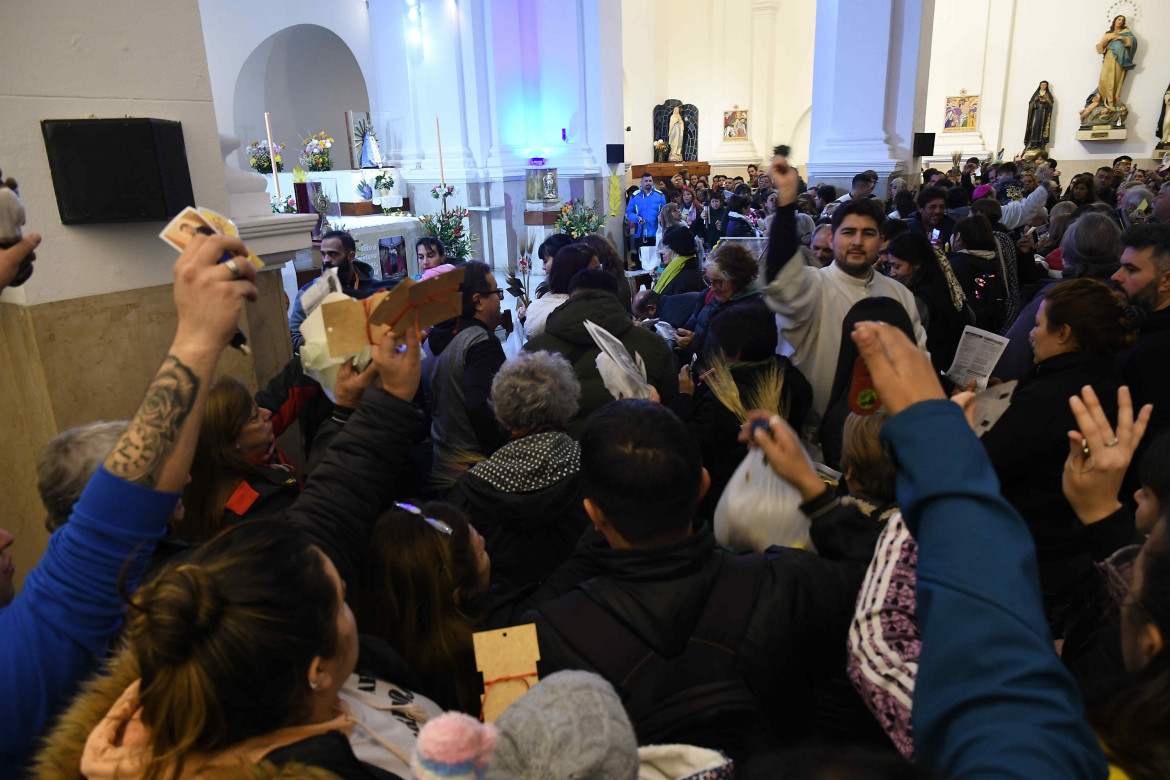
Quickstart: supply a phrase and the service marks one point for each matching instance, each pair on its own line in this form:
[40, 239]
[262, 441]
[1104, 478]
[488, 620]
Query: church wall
[80, 341]
[233, 32]
[751, 53]
[1012, 46]
[66, 60]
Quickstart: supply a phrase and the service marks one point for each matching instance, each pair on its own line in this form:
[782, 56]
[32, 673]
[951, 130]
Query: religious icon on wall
[674, 119]
[1038, 132]
[962, 113]
[735, 124]
[364, 148]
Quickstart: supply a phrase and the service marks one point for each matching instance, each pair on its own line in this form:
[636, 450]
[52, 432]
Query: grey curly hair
[535, 389]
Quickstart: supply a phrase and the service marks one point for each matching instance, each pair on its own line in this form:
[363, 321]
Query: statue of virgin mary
[1117, 48]
[674, 136]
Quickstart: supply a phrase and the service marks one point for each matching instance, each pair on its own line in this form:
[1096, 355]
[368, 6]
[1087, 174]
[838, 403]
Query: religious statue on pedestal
[674, 137]
[1038, 132]
[1117, 48]
[1163, 131]
[549, 185]
[677, 124]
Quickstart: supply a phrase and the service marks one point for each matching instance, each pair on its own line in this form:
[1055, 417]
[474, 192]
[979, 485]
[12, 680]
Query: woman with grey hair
[1090, 249]
[526, 498]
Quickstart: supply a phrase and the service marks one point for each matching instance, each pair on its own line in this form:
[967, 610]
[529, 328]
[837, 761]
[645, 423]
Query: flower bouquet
[260, 157]
[442, 192]
[315, 155]
[519, 281]
[365, 190]
[283, 205]
[448, 227]
[577, 219]
[383, 183]
[660, 151]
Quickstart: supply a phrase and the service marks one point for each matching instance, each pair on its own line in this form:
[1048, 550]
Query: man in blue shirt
[642, 212]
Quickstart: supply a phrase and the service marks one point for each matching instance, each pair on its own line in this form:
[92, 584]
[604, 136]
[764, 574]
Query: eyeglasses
[496, 291]
[438, 525]
[716, 282]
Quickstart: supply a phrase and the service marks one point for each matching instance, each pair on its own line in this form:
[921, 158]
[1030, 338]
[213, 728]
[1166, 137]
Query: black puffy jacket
[792, 653]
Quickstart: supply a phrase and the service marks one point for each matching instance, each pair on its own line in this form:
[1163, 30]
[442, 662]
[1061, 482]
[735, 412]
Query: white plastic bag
[315, 356]
[759, 509]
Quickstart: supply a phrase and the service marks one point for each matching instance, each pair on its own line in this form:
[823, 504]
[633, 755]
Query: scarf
[958, 297]
[670, 272]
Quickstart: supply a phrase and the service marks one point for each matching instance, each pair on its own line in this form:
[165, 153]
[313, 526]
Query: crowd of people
[980, 590]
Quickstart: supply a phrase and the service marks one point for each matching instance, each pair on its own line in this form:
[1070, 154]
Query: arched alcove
[306, 78]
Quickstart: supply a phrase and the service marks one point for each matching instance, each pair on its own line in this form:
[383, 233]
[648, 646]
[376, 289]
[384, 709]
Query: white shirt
[539, 310]
[813, 303]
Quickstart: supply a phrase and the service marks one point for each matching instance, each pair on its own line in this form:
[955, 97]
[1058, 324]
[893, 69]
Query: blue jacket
[56, 630]
[645, 207]
[992, 699]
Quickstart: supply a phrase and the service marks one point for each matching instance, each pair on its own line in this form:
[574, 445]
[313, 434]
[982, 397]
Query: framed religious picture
[962, 113]
[735, 124]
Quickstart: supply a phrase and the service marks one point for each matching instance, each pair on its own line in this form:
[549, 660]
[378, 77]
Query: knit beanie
[570, 725]
[453, 746]
[680, 239]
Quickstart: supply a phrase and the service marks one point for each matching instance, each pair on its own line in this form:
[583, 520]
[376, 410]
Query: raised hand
[351, 383]
[785, 180]
[1098, 455]
[397, 359]
[785, 455]
[209, 295]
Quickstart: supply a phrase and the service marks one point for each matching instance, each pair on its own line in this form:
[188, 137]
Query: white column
[864, 48]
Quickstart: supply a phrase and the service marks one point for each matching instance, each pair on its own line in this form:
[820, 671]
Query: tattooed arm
[157, 449]
[60, 622]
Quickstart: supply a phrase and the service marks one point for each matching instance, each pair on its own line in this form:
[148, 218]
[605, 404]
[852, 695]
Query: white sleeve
[1021, 212]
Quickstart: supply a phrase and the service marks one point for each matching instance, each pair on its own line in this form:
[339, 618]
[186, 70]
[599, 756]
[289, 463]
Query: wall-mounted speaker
[615, 153]
[923, 144]
[117, 170]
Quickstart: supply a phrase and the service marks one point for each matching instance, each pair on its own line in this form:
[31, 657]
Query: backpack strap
[732, 600]
[610, 647]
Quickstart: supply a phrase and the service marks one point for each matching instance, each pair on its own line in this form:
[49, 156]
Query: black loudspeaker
[118, 170]
[615, 153]
[923, 144]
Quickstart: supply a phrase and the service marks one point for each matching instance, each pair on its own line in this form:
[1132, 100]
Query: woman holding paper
[1078, 330]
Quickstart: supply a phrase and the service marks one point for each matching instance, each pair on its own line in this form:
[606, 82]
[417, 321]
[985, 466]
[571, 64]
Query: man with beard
[932, 215]
[814, 301]
[338, 250]
[1145, 277]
